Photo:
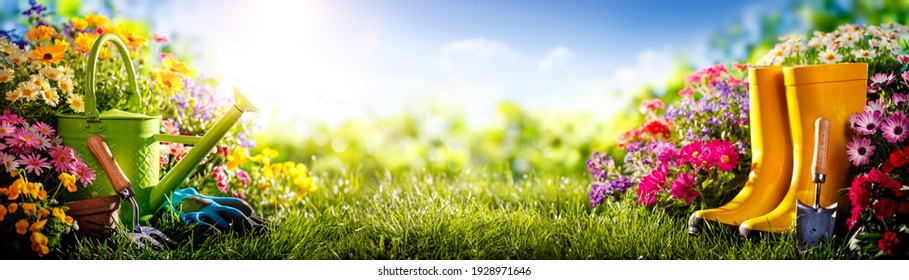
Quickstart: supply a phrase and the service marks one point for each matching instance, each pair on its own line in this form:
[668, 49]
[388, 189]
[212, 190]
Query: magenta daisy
[722, 154]
[85, 174]
[23, 138]
[876, 106]
[895, 127]
[34, 163]
[652, 184]
[866, 123]
[683, 187]
[11, 118]
[43, 129]
[860, 151]
[62, 158]
[881, 79]
[9, 161]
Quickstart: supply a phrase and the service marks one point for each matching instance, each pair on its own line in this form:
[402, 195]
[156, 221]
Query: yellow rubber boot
[771, 154]
[832, 91]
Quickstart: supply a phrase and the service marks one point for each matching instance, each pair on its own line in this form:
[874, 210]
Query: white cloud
[554, 58]
[653, 67]
[479, 48]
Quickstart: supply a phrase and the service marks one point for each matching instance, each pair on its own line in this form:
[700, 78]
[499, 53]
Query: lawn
[474, 215]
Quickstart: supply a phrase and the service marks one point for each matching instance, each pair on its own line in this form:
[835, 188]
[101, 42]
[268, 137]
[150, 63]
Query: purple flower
[599, 191]
[866, 123]
[683, 187]
[599, 165]
[859, 150]
[879, 81]
[895, 127]
[664, 151]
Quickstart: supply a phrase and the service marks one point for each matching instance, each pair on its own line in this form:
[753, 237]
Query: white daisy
[829, 57]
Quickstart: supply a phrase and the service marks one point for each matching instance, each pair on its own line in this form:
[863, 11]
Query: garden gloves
[218, 213]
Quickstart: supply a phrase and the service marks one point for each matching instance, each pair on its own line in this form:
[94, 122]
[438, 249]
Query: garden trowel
[121, 184]
[815, 224]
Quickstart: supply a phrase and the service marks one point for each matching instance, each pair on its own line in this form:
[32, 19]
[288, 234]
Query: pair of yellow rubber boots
[785, 101]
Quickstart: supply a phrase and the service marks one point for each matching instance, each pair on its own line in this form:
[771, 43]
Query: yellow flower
[75, 102]
[79, 23]
[50, 54]
[6, 75]
[175, 66]
[15, 189]
[304, 185]
[236, 158]
[40, 34]
[168, 82]
[132, 39]
[84, 41]
[38, 226]
[29, 208]
[2, 213]
[63, 43]
[58, 213]
[31, 189]
[68, 181]
[22, 227]
[39, 244]
[265, 156]
[13, 207]
[104, 53]
[42, 213]
[42, 195]
[97, 20]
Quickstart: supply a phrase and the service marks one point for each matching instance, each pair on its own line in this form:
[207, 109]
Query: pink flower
[44, 129]
[904, 59]
[243, 177]
[881, 79]
[738, 66]
[895, 127]
[898, 99]
[23, 138]
[651, 105]
[10, 118]
[860, 151]
[220, 176]
[34, 163]
[866, 123]
[876, 106]
[6, 129]
[62, 158]
[905, 75]
[686, 92]
[159, 38]
[692, 153]
[169, 127]
[9, 161]
[722, 154]
[652, 184]
[85, 174]
[888, 243]
[683, 187]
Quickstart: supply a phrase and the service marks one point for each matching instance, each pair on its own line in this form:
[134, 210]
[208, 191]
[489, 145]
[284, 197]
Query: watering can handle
[102, 153]
[91, 104]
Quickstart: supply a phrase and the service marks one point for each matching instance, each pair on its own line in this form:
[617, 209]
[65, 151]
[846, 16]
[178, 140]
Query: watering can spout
[185, 167]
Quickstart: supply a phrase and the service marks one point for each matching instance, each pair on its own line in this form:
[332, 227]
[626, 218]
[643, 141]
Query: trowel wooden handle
[821, 141]
[102, 153]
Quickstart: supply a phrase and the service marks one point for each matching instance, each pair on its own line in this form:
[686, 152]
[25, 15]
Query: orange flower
[15, 189]
[38, 226]
[79, 23]
[49, 54]
[22, 227]
[13, 207]
[132, 39]
[2, 213]
[39, 244]
[84, 41]
[97, 20]
[29, 208]
[42, 213]
[40, 34]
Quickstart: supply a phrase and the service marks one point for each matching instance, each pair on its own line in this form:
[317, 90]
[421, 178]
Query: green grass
[468, 216]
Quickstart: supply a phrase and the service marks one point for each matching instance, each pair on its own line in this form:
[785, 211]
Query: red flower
[859, 194]
[884, 209]
[657, 127]
[651, 105]
[856, 213]
[888, 243]
[899, 158]
[903, 209]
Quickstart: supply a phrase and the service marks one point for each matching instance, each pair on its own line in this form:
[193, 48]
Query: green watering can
[134, 141]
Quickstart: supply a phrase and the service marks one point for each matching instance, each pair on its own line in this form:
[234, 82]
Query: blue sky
[330, 60]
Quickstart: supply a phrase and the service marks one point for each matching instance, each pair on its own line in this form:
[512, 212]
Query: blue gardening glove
[220, 213]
